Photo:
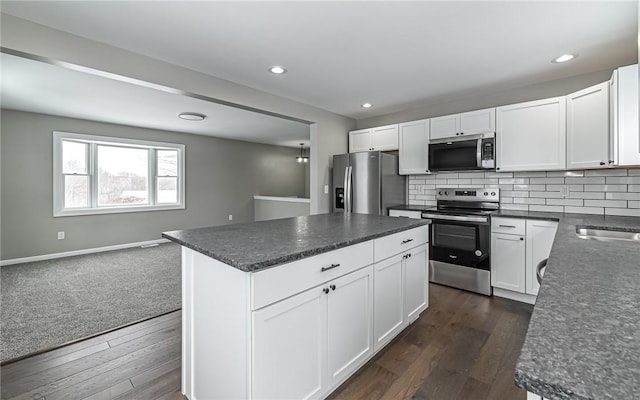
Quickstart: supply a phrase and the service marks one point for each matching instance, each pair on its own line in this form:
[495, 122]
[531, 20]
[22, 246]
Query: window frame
[93, 141]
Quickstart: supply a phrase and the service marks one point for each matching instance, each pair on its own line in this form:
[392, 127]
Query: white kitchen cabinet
[360, 140]
[467, 123]
[445, 126]
[414, 147]
[414, 214]
[517, 246]
[507, 262]
[416, 282]
[290, 335]
[539, 239]
[290, 340]
[401, 282]
[531, 136]
[588, 127]
[388, 300]
[625, 136]
[349, 324]
[478, 121]
[382, 138]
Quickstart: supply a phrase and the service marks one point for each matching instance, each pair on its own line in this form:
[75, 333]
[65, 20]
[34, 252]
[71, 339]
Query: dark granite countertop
[259, 245]
[583, 340]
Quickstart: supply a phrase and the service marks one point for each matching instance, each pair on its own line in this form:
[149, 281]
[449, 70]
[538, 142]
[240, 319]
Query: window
[99, 175]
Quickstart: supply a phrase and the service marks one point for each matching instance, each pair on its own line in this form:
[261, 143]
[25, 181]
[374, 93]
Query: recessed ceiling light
[367, 105]
[564, 58]
[278, 70]
[192, 116]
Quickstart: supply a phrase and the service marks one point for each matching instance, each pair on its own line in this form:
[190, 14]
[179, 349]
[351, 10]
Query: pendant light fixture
[302, 158]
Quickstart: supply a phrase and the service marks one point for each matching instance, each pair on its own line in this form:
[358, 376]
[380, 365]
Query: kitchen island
[291, 308]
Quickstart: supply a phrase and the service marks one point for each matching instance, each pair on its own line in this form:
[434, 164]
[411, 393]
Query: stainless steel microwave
[471, 152]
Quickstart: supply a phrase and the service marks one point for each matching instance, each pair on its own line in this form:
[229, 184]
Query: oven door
[461, 243]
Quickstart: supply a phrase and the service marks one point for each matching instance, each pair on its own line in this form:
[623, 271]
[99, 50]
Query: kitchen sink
[607, 235]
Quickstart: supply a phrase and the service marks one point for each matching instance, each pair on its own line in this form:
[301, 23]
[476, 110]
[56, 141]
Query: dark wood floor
[464, 346]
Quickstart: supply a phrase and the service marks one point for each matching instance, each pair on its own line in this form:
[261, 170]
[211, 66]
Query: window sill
[116, 210]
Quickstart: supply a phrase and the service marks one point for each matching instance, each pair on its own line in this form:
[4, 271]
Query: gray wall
[221, 178]
[538, 91]
[328, 132]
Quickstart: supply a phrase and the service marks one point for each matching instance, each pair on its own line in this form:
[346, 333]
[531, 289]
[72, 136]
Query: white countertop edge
[289, 199]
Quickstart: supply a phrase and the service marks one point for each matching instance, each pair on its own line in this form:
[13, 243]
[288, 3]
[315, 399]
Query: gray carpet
[49, 303]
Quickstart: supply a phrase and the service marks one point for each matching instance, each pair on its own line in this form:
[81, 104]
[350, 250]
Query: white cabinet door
[446, 126]
[414, 147]
[508, 262]
[388, 299]
[480, 121]
[588, 127]
[349, 324]
[625, 139]
[289, 348]
[416, 282]
[360, 140]
[531, 136]
[540, 235]
[384, 138]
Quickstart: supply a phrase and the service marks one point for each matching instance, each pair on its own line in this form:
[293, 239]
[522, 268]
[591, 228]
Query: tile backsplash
[603, 192]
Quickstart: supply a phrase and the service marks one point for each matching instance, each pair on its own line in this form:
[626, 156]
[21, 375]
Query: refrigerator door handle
[345, 185]
[348, 179]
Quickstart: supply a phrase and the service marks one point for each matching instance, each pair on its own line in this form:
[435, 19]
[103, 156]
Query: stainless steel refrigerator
[367, 183]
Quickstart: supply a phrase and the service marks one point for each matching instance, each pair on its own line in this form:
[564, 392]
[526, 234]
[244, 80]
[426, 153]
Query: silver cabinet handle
[328, 268]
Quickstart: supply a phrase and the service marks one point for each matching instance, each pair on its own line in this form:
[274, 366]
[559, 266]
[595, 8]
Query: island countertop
[258, 245]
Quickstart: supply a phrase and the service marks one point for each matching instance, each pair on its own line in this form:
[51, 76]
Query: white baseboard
[508, 294]
[80, 252]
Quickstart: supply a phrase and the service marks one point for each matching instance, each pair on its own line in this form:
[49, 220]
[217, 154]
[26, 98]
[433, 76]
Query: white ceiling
[35, 86]
[396, 55]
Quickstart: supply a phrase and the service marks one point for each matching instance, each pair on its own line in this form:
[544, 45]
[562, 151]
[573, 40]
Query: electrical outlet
[230, 217]
[60, 235]
[326, 189]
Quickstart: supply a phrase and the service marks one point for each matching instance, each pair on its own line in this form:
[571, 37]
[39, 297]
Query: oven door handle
[454, 218]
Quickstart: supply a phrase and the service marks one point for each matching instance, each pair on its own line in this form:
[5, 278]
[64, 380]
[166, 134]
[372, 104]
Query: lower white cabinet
[540, 235]
[290, 341]
[349, 324]
[416, 282]
[515, 255]
[388, 300]
[401, 292]
[293, 338]
[507, 262]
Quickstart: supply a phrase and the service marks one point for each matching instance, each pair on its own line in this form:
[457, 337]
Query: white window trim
[58, 180]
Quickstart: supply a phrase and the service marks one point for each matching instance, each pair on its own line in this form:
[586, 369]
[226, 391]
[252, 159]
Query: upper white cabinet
[625, 136]
[382, 138]
[531, 136]
[414, 147]
[468, 123]
[588, 127]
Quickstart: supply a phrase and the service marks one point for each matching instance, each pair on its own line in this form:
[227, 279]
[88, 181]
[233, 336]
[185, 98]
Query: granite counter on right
[583, 340]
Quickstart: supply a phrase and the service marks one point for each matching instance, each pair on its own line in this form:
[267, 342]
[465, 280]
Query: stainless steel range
[460, 247]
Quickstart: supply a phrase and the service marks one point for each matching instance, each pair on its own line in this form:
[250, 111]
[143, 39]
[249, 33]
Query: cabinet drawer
[391, 245]
[406, 213]
[285, 280]
[514, 226]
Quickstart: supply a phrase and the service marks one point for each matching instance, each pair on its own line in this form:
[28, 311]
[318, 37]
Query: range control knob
[478, 253]
[486, 193]
[440, 193]
[446, 193]
[493, 193]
